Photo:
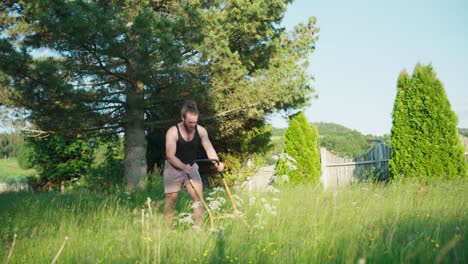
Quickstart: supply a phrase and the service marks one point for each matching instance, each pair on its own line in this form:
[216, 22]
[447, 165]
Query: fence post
[379, 155]
[323, 161]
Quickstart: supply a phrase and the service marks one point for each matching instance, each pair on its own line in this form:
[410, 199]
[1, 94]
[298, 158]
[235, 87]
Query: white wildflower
[290, 158]
[290, 165]
[214, 205]
[231, 216]
[271, 209]
[239, 213]
[238, 200]
[284, 157]
[273, 189]
[221, 200]
[285, 178]
[186, 218]
[252, 200]
[263, 200]
[216, 190]
[196, 205]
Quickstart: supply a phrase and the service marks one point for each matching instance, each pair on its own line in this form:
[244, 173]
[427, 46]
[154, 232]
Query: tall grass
[393, 223]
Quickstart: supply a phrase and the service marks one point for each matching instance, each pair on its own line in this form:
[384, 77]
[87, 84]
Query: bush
[301, 143]
[424, 136]
[58, 158]
[106, 172]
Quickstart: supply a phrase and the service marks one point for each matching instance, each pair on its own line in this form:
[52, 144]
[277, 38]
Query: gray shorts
[175, 179]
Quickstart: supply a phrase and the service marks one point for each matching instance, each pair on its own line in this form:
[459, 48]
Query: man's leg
[198, 209]
[171, 199]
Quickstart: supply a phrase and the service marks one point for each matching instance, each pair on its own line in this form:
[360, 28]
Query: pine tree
[125, 67]
[424, 136]
[301, 144]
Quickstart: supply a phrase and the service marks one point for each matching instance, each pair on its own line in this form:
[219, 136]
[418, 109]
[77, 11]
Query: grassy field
[10, 171]
[394, 223]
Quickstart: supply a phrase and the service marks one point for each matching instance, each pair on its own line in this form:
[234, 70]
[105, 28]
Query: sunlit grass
[393, 223]
[10, 171]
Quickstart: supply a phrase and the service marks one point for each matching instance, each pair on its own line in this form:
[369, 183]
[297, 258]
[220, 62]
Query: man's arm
[171, 147]
[210, 151]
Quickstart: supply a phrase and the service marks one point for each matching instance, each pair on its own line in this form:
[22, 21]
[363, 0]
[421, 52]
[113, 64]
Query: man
[182, 142]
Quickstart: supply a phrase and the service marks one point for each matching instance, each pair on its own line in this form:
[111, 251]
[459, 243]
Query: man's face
[190, 121]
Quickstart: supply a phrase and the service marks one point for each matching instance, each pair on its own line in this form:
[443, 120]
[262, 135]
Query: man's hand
[187, 169]
[219, 166]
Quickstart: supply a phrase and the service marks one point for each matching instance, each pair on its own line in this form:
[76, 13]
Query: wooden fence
[13, 187]
[464, 141]
[339, 171]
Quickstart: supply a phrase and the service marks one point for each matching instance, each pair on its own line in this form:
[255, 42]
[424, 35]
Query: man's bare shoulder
[201, 129]
[172, 131]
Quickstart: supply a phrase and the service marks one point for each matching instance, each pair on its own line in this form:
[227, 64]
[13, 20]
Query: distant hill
[338, 139]
[463, 131]
[326, 129]
[343, 141]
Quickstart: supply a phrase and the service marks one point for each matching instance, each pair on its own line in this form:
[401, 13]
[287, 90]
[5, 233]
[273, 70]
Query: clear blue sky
[363, 46]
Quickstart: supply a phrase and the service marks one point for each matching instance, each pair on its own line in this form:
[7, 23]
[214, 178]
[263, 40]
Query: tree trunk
[135, 167]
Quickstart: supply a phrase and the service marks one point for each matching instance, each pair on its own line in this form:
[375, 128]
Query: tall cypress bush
[424, 136]
[301, 143]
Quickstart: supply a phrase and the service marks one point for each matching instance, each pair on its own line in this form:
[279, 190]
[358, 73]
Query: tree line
[10, 144]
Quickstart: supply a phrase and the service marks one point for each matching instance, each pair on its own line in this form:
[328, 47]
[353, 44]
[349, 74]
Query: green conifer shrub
[301, 144]
[424, 136]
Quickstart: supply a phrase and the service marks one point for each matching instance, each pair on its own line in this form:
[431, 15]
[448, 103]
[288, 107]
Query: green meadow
[10, 172]
[402, 222]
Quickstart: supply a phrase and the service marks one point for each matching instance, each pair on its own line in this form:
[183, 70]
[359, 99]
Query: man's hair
[189, 107]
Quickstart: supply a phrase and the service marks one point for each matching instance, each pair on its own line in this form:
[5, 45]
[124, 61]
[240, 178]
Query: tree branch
[95, 84]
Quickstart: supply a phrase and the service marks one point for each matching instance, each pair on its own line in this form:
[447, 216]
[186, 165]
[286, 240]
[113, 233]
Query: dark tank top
[187, 150]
